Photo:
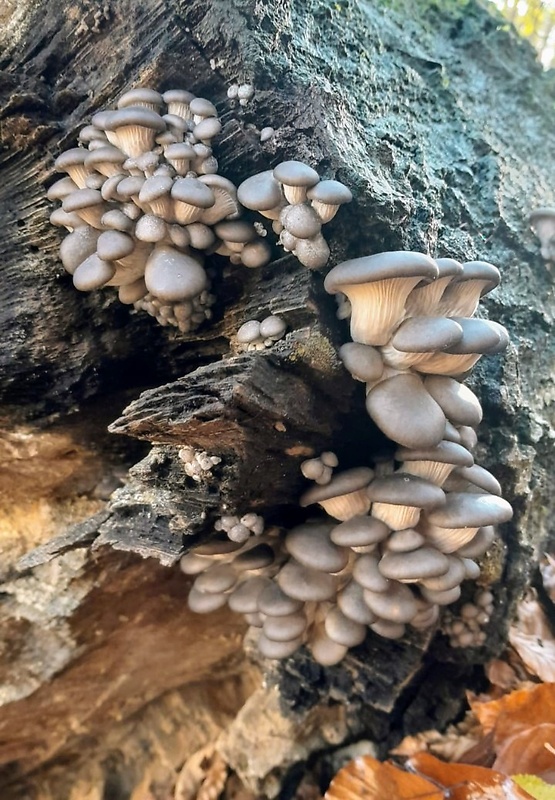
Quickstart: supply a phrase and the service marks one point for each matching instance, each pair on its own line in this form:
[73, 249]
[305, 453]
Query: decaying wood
[108, 683]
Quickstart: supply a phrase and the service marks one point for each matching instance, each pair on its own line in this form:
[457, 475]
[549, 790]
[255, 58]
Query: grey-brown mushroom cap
[330, 192]
[478, 336]
[362, 361]
[295, 173]
[302, 583]
[113, 245]
[343, 483]
[480, 477]
[82, 198]
[545, 212]
[406, 412]
[77, 246]
[245, 596]
[236, 230]
[449, 267]
[140, 95]
[285, 628]
[311, 546]
[107, 154]
[427, 334]
[172, 276]
[202, 107]
[359, 532]
[445, 452]
[179, 150]
[424, 562]
[478, 545]
[154, 187]
[260, 192]
[177, 96]
[459, 403]
[61, 188]
[273, 602]
[404, 541]
[70, 158]
[403, 489]
[343, 630]
[393, 264]
[92, 273]
[463, 510]
[480, 271]
[193, 191]
[396, 604]
[271, 649]
[134, 115]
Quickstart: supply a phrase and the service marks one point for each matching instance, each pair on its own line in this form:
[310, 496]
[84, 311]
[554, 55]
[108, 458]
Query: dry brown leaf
[524, 708]
[367, 778]
[501, 674]
[533, 640]
[466, 782]
[526, 752]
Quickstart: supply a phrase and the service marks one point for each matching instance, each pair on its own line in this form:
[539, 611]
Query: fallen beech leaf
[501, 674]
[538, 789]
[526, 752]
[524, 708]
[367, 778]
[533, 640]
[466, 782]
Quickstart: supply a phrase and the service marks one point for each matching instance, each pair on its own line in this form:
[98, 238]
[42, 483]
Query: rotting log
[109, 684]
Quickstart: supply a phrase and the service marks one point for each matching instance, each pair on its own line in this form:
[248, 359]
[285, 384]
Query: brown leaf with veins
[467, 782]
[367, 778]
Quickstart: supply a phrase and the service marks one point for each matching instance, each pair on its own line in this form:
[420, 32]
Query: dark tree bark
[439, 119]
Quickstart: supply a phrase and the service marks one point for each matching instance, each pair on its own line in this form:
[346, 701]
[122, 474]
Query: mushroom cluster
[197, 464]
[143, 203]
[239, 529]
[542, 222]
[255, 335]
[298, 203]
[467, 629]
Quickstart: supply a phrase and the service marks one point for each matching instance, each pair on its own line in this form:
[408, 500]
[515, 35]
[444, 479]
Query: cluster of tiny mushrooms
[144, 204]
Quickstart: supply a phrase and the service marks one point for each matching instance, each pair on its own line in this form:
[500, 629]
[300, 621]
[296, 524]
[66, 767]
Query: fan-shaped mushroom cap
[77, 246]
[453, 576]
[352, 604]
[113, 245]
[201, 108]
[92, 273]
[311, 546]
[155, 194]
[398, 499]
[116, 220]
[426, 334]
[324, 650]
[367, 574]
[442, 598]
[303, 583]
[134, 129]
[272, 327]
[88, 203]
[462, 296]
[459, 404]
[434, 463]
[150, 228]
[178, 101]
[285, 628]
[173, 276]
[479, 543]
[192, 563]
[260, 192]
[62, 219]
[256, 557]
[344, 496]
[343, 630]
[477, 476]
[388, 629]
[426, 616]
[454, 524]
[362, 361]
[359, 531]
[377, 287]
[226, 205]
[201, 236]
[312, 253]
[147, 98]
[61, 189]
[107, 160]
[73, 162]
[207, 129]
[205, 602]
[273, 602]
[417, 565]
[479, 336]
[424, 300]
[256, 254]
[272, 649]
[216, 579]
[327, 197]
[296, 178]
[404, 541]
[396, 604]
[406, 412]
[300, 221]
[245, 596]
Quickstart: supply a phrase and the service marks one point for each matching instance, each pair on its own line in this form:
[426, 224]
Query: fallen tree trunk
[109, 683]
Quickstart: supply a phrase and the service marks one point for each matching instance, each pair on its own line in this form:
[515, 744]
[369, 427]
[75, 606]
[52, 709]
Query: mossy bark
[440, 120]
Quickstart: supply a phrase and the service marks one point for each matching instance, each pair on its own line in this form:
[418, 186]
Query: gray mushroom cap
[352, 604]
[257, 557]
[260, 192]
[445, 453]
[70, 158]
[478, 336]
[312, 253]
[237, 231]
[343, 630]
[113, 245]
[480, 271]
[311, 546]
[77, 246]
[362, 361]
[403, 489]
[396, 604]
[479, 477]
[442, 598]
[82, 198]
[302, 583]
[388, 629]
[367, 574]
[452, 577]
[207, 129]
[155, 187]
[177, 96]
[359, 532]
[425, 562]
[139, 96]
[273, 602]
[343, 483]
[406, 412]
[285, 628]
[394, 264]
[173, 276]
[272, 649]
[330, 192]
[449, 267]
[61, 188]
[216, 579]
[460, 405]
[462, 510]
[427, 334]
[478, 545]
[301, 221]
[245, 596]
[93, 273]
[193, 191]
[205, 602]
[272, 327]
[131, 116]
[201, 107]
[404, 541]
[325, 651]
[108, 154]
[295, 173]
